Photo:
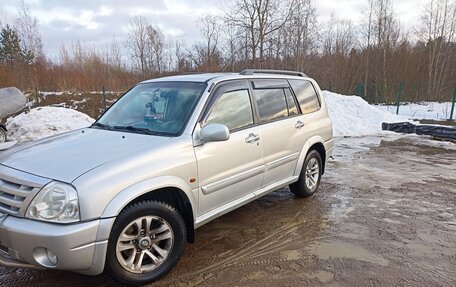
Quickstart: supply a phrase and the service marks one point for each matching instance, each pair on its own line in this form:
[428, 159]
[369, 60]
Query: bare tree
[381, 31]
[260, 19]
[338, 42]
[115, 54]
[232, 46]
[438, 30]
[147, 46]
[28, 29]
[137, 41]
[367, 33]
[302, 28]
[155, 49]
[210, 30]
[388, 33]
[338, 37]
[206, 54]
[182, 62]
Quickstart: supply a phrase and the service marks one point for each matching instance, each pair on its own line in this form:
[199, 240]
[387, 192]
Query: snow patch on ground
[353, 116]
[422, 110]
[50, 93]
[45, 121]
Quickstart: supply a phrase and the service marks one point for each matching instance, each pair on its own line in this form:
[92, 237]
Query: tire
[313, 167]
[3, 137]
[166, 222]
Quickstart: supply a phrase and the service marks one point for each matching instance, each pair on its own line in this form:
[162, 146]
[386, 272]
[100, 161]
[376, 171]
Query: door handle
[252, 138]
[299, 125]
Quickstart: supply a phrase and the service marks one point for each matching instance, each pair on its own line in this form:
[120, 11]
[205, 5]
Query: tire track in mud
[252, 249]
[439, 273]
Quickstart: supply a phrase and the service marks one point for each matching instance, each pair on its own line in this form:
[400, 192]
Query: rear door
[281, 124]
[310, 105]
[231, 169]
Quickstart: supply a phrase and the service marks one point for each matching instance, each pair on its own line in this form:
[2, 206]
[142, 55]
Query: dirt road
[385, 216]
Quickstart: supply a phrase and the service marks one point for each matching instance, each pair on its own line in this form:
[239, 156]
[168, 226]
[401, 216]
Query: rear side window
[232, 109]
[291, 103]
[307, 97]
[271, 104]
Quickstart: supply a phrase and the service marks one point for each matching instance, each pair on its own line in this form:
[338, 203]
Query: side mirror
[214, 133]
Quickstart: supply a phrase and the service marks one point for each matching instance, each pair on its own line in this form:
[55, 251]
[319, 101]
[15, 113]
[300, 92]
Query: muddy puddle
[385, 215]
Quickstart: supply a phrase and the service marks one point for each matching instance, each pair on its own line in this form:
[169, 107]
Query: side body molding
[122, 199]
[305, 149]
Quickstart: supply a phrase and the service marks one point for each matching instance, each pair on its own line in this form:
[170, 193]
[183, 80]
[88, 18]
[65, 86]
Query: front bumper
[79, 247]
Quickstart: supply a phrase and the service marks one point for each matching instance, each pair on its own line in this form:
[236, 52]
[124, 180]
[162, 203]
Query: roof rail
[263, 71]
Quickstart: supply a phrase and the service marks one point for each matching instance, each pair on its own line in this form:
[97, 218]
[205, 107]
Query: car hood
[67, 156]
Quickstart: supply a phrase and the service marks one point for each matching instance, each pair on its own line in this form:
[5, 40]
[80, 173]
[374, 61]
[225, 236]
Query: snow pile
[45, 121]
[422, 110]
[353, 116]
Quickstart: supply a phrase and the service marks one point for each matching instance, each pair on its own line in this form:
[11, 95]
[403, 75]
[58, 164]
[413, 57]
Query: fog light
[45, 257]
[51, 257]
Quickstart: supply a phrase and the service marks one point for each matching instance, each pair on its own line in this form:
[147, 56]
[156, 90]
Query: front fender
[123, 198]
[305, 149]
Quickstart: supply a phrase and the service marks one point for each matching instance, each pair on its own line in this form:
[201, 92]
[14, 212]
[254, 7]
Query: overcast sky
[96, 22]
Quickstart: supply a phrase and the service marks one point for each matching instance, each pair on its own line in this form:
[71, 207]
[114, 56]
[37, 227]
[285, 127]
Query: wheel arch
[177, 199]
[314, 143]
[173, 192]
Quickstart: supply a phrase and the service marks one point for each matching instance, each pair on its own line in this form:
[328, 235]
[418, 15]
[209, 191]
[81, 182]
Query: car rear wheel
[310, 176]
[2, 135]
[146, 242]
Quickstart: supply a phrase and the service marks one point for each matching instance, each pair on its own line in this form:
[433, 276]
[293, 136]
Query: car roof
[217, 77]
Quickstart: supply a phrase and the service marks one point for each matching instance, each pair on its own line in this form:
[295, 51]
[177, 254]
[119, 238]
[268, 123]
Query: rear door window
[306, 95]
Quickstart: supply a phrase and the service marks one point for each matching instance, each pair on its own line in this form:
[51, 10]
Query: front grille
[17, 189]
[12, 196]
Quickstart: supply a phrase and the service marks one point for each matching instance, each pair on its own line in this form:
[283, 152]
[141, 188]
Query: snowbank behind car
[45, 121]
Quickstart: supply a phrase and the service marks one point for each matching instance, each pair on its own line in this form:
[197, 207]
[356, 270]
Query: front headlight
[56, 202]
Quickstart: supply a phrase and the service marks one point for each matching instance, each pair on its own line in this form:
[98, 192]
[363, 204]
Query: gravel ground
[385, 215]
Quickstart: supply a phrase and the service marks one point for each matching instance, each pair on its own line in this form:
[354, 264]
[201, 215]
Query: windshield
[154, 108]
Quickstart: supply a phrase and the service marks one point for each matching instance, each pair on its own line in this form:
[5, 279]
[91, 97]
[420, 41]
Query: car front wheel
[146, 242]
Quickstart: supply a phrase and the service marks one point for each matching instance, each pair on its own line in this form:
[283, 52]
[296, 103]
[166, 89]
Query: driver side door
[230, 171]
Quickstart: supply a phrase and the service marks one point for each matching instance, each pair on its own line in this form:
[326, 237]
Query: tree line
[370, 59]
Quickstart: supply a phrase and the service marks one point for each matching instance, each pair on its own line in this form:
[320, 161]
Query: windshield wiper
[100, 125]
[136, 129]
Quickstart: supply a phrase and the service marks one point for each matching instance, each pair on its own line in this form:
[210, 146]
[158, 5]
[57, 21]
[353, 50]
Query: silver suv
[170, 155]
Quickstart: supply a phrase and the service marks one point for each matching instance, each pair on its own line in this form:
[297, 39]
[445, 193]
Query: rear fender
[305, 149]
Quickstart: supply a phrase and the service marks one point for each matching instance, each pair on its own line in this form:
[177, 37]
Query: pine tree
[10, 48]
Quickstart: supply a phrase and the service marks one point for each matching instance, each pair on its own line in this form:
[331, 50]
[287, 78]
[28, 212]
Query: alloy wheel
[312, 173]
[144, 244]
